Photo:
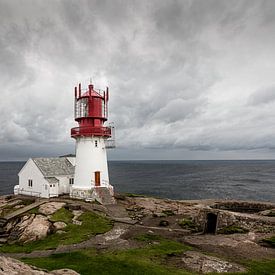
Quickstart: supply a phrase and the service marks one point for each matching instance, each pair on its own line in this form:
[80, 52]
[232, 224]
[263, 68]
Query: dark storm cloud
[192, 76]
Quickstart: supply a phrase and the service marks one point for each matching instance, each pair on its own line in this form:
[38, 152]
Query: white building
[46, 177]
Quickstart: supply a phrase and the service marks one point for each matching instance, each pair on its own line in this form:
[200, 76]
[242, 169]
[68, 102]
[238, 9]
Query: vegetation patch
[271, 214]
[232, 229]
[62, 215]
[131, 195]
[147, 260]
[148, 238]
[188, 224]
[92, 224]
[168, 212]
[270, 241]
[34, 211]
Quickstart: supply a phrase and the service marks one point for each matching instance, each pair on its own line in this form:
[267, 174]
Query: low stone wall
[227, 218]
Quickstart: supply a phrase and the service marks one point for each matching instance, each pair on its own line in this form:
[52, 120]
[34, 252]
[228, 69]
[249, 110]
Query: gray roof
[52, 180]
[51, 167]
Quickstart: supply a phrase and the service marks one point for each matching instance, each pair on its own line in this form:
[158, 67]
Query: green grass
[147, 260]
[148, 238]
[188, 224]
[62, 215]
[270, 241]
[92, 224]
[232, 229]
[264, 267]
[34, 211]
[271, 214]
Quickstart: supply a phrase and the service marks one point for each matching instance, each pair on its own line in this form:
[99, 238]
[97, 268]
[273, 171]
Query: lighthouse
[91, 179]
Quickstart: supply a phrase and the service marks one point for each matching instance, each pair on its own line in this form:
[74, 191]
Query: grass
[232, 229]
[148, 238]
[264, 267]
[270, 241]
[271, 214]
[92, 224]
[62, 215]
[188, 224]
[34, 211]
[147, 260]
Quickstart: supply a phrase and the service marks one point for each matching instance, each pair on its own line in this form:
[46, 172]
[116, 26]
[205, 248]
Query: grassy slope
[92, 224]
[146, 260]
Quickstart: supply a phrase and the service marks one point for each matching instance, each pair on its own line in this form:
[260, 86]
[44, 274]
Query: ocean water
[246, 180]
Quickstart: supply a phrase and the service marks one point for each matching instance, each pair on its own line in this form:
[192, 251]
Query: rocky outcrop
[199, 262]
[36, 229]
[14, 267]
[50, 207]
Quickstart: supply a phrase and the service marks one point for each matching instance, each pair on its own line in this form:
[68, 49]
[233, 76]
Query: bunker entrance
[211, 223]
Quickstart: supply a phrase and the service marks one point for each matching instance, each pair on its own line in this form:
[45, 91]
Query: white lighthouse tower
[91, 180]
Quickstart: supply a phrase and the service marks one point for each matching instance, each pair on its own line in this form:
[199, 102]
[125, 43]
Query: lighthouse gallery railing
[91, 131]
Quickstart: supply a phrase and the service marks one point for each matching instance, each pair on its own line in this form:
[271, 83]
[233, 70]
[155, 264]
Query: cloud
[188, 75]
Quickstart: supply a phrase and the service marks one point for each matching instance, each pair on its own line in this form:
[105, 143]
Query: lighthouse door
[97, 178]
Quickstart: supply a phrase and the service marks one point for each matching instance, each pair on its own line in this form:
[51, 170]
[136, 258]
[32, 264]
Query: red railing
[88, 131]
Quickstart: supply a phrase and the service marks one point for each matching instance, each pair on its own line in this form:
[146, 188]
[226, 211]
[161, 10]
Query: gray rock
[37, 229]
[59, 225]
[199, 262]
[50, 207]
[14, 267]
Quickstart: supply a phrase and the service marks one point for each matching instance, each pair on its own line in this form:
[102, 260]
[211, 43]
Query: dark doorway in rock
[211, 223]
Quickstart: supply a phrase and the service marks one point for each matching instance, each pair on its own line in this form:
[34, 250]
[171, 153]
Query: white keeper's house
[46, 177]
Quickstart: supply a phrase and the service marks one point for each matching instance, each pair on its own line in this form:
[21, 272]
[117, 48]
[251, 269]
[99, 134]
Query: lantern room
[91, 111]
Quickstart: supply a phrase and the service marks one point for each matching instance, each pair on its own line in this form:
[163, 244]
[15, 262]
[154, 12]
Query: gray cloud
[191, 76]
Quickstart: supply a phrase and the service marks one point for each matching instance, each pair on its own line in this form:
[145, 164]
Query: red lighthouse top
[91, 111]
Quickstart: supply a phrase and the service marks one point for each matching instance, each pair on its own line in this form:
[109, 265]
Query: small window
[95, 143]
[71, 181]
[46, 186]
[51, 185]
[30, 183]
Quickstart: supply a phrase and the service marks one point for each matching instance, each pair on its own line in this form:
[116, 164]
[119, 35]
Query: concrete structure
[46, 177]
[91, 170]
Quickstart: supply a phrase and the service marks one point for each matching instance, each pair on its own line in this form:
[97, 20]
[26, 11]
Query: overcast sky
[189, 79]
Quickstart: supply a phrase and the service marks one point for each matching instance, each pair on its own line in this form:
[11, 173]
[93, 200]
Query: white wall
[64, 184]
[90, 159]
[40, 186]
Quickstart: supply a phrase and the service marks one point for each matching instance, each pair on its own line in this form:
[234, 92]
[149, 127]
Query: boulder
[37, 229]
[14, 267]
[59, 225]
[50, 207]
[199, 262]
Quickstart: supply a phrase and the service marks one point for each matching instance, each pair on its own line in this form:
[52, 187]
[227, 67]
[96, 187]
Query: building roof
[51, 167]
[52, 180]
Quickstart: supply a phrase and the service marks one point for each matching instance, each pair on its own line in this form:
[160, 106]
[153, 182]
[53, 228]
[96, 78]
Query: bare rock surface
[50, 207]
[36, 229]
[59, 225]
[199, 262]
[14, 267]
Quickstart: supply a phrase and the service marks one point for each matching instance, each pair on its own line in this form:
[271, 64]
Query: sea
[183, 180]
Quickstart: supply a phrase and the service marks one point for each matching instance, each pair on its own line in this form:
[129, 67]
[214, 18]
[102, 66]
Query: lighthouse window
[30, 183]
[71, 181]
[96, 143]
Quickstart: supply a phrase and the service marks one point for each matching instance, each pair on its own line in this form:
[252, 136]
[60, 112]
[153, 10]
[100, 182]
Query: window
[71, 181]
[30, 183]
[95, 143]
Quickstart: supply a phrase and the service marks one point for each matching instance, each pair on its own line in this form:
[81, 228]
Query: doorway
[97, 178]
[211, 223]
